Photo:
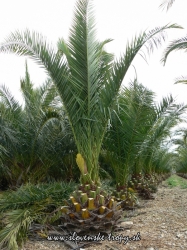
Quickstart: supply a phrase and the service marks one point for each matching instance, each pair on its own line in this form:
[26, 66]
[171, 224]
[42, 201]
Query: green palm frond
[181, 79]
[149, 40]
[30, 194]
[39, 98]
[165, 104]
[28, 204]
[16, 225]
[178, 44]
[137, 131]
[164, 161]
[35, 46]
[48, 94]
[9, 112]
[8, 99]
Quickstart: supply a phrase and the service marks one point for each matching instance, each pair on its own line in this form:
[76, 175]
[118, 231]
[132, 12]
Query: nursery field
[162, 223]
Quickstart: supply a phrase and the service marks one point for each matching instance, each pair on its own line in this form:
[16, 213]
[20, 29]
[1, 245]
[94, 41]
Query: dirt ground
[159, 224]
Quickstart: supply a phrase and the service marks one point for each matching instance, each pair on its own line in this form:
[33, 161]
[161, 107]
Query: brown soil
[162, 224]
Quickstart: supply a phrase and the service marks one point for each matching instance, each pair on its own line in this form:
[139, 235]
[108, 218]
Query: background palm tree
[138, 131]
[128, 128]
[181, 149]
[35, 137]
[167, 115]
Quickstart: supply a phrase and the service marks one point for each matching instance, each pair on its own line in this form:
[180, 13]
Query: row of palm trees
[86, 76]
[83, 110]
[37, 143]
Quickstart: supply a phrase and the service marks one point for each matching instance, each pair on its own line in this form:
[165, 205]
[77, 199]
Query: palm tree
[88, 80]
[181, 143]
[48, 137]
[168, 115]
[10, 115]
[129, 126]
[137, 132]
[164, 161]
[29, 133]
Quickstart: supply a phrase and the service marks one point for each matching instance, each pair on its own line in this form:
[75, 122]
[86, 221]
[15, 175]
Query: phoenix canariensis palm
[45, 129]
[29, 134]
[137, 130]
[88, 80]
[10, 115]
[168, 114]
[181, 149]
[129, 125]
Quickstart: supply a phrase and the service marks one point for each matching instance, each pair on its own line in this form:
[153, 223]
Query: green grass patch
[176, 181]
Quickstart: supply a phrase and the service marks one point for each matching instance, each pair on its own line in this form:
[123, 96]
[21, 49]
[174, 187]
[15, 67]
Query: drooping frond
[17, 223]
[164, 105]
[149, 40]
[181, 79]
[179, 44]
[30, 203]
[8, 99]
[35, 46]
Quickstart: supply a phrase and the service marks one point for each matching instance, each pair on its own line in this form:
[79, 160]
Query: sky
[120, 20]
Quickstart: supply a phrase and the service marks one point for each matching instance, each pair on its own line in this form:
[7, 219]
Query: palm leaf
[30, 203]
[149, 40]
[29, 194]
[182, 79]
[178, 44]
[17, 223]
[8, 99]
